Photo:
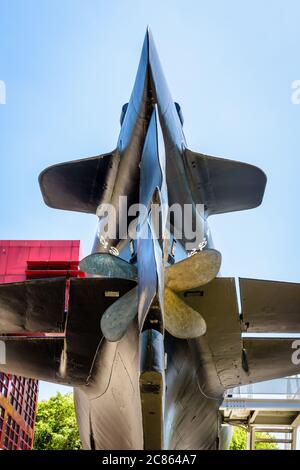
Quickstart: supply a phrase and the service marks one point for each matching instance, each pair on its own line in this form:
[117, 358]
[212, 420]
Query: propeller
[181, 320]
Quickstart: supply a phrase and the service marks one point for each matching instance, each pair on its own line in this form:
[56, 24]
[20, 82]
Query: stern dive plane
[151, 338]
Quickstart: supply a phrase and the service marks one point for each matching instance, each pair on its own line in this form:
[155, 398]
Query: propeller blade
[181, 320]
[194, 271]
[117, 318]
[107, 265]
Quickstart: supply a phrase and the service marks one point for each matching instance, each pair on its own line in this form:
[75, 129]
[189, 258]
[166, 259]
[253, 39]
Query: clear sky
[69, 65]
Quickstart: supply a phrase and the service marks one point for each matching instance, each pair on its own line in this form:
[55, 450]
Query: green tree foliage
[56, 426]
[238, 441]
[239, 438]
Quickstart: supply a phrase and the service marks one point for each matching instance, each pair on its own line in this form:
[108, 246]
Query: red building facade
[21, 260]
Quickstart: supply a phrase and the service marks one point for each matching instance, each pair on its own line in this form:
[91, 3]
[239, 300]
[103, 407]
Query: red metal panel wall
[14, 255]
[20, 260]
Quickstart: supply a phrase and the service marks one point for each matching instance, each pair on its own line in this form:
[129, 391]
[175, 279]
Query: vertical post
[294, 439]
[248, 439]
[252, 438]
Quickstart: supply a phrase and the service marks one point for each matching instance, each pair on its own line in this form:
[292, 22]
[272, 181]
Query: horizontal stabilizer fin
[224, 185]
[270, 306]
[33, 306]
[79, 185]
[271, 358]
[242, 360]
[33, 357]
[68, 358]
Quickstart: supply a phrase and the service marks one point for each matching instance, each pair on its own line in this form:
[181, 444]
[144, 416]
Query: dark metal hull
[109, 408]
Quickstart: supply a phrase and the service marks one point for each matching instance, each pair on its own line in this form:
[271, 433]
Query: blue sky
[69, 66]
